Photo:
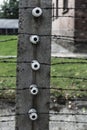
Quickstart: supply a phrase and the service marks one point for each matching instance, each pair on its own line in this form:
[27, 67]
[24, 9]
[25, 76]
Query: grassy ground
[76, 69]
[72, 69]
[7, 48]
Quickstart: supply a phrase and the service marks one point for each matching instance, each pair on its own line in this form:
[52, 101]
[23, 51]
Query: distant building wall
[8, 26]
[81, 26]
[8, 31]
[63, 23]
[70, 25]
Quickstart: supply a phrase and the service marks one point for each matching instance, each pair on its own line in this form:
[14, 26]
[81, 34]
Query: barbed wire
[71, 58]
[70, 16]
[62, 99]
[71, 8]
[62, 37]
[53, 76]
[42, 88]
[69, 77]
[11, 39]
[48, 8]
[59, 37]
[62, 121]
[73, 114]
[5, 121]
[44, 35]
[53, 64]
[65, 121]
[7, 76]
[50, 113]
[63, 57]
[7, 57]
[69, 63]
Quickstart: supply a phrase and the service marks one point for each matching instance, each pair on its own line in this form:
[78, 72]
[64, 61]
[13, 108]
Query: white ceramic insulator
[37, 12]
[34, 39]
[34, 89]
[33, 114]
[35, 65]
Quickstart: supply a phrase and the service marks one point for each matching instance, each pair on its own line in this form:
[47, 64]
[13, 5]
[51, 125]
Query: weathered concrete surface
[71, 24]
[8, 109]
[63, 25]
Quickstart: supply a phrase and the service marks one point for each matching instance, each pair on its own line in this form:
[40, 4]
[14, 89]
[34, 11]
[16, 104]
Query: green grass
[76, 70]
[7, 69]
[9, 47]
[64, 70]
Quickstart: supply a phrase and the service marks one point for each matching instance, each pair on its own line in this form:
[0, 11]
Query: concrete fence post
[33, 69]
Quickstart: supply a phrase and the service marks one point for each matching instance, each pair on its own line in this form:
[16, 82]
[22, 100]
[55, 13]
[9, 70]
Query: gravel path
[8, 109]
